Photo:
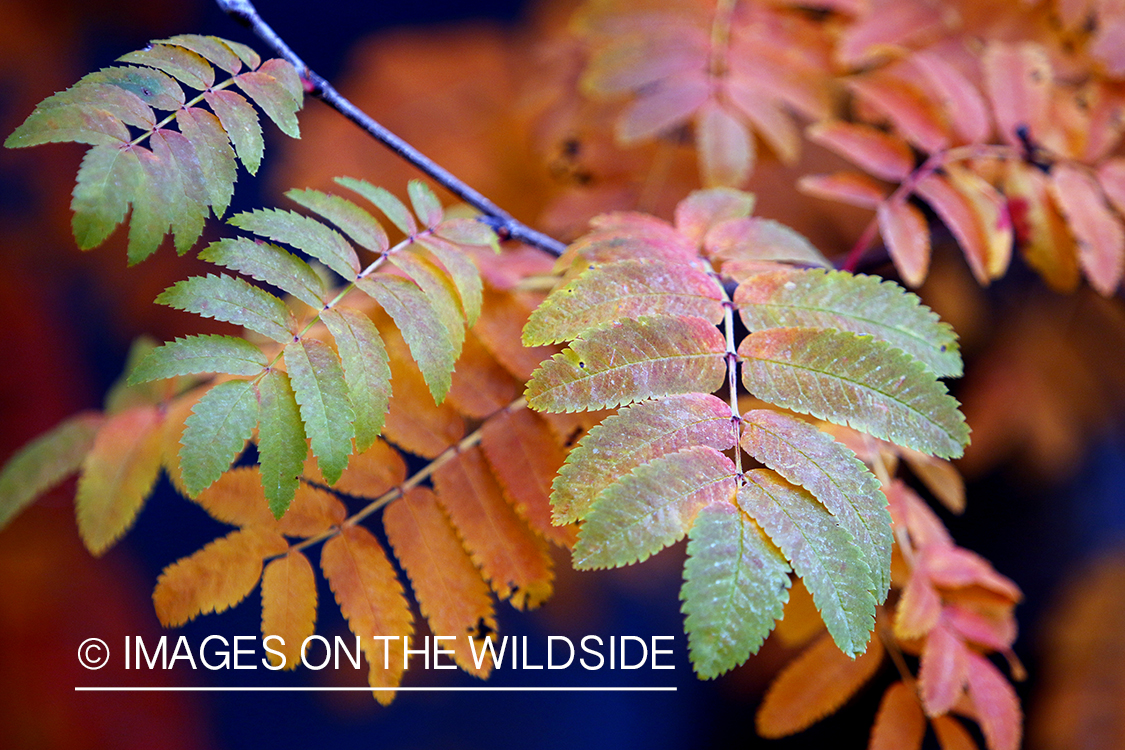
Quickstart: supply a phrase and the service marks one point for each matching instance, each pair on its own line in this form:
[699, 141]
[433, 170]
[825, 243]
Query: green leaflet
[821, 552]
[306, 234]
[350, 218]
[216, 433]
[465, 231]
[630, 361]
[830, 471]
[216, 157]
[44, 462]
[463, 272]
[394, 209]
[233, 300]
[735, 586]
[152, 87]
[426, 204]
[632, 437]
[625, 289]
[326, 409]
[170, 196]
[268, 263]
[176, 61]
[219, 51]
[200, 354]
[367, 371]
[107, 181]
[854, 380]
[281, 441]
[652, 507]
[438, 289]
[276, 88]
[413, 312]
[66, 117]
[240, 120]
[860, 304]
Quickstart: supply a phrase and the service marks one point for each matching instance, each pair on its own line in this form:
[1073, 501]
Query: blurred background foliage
[482, 88]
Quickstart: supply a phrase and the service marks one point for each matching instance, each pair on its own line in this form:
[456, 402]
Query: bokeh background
[1044, 393]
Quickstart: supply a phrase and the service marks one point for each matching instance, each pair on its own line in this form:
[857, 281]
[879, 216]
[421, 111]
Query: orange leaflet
[995, 703]
[1098, 230]
[414, 421]
[911, 112]
[919, 608]
[907, 238]
[814, 685]
[216, 577]
[525, 458]
[1018, 78]
[373, 472]
[899, 725]
[117, 475]
[887, 26]
[960, 99]
[448, 587]
[513, 559]
[1041, 232]
[288, 607]
[481, 385]
[852, 188]
[372, 601]
[878, 153]
[943, 670]
[726, 147]
[951, 734]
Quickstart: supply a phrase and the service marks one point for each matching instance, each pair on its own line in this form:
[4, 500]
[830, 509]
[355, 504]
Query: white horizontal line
[371, 689]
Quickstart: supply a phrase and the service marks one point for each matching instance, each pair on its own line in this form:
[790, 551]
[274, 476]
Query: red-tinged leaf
[366, 370]
[963, 103]
[671, 104]
[814, 685]
[951, 734]
[965, 211]
[118, 474]
[995, 704]
[230, 299]
[726, 147]
[919, 608]
[240, 121]
[878, 153]
[626, 235]
[991, 210]
[652, 507]
[943, 670]
[914, 116]
[525, 458]
[631, 64]
[1018, 78]
[510, 556]
[481, 385]
[899, 725]
[69, 122]
[808, 457]
[216, 157]
[633, 437]
[1111, 178]
[1108, 44]
[907, 237]
[821, 552]
[347, 216]
[1096, 228]
[607, 293]
[750, 240]
[924, 526]
[452, 596]
[46, 461]
[631, 361]
[894, 24]
[414, 422]
[770, 118]
[372, 601]
[703, 209]
[288, 607]
[216, 577]
[431, 340]
[276, 88]
[956, 567]
[997, 633]
[846, 187]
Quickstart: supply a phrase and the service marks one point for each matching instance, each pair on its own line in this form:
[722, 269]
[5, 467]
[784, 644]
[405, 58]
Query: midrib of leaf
[628, 365]
[858, 384]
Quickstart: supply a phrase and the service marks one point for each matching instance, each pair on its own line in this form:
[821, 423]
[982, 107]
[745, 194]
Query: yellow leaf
[118, 475]
[288, 607]
[216, 577]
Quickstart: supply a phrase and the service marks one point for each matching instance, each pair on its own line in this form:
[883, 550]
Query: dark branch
[500, 220]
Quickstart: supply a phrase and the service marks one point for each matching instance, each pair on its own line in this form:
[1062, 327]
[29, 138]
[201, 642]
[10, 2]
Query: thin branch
[498, 219]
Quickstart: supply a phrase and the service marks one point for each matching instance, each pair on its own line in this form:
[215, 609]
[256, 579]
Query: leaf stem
[501, 222]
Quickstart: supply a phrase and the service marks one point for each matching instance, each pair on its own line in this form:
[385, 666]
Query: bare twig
[500, 220]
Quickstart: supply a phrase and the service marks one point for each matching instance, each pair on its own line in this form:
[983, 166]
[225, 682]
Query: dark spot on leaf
[582, 365]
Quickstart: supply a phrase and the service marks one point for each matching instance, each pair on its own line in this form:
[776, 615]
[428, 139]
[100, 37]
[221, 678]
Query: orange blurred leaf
[288, 607]
[899, 725]
[907, 237]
